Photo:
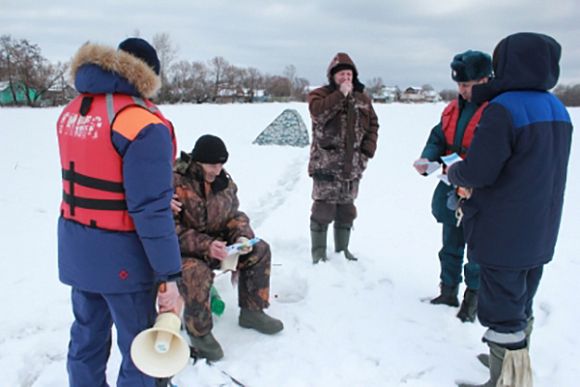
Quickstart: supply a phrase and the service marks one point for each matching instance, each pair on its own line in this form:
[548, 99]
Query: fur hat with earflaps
[471, 66]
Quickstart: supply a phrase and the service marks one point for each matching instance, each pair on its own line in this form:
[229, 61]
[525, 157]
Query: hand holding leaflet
[234, 251]
[449, 160]
[426, 167]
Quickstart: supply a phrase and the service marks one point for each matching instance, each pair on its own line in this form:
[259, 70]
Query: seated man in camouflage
[208, 221]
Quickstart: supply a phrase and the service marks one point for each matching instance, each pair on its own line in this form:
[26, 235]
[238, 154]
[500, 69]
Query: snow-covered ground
[346, 323]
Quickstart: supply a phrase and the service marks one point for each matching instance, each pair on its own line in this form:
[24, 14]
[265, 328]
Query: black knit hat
[209, 149]
[470, 66]
[141, 49]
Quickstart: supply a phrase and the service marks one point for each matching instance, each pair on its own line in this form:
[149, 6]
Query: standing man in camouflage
[344, 138]
[209, 220]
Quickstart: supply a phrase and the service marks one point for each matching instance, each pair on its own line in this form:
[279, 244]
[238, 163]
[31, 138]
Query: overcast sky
[406, 43]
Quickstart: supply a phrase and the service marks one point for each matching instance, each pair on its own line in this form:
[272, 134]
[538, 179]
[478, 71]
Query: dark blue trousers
[90, 336]
[506, 297]
[451, 258]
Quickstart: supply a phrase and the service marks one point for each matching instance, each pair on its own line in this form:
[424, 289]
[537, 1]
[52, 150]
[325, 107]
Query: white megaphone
[160, 351]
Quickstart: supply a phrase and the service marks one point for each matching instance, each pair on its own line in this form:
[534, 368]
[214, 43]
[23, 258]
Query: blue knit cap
[470, 66]
[141, 49]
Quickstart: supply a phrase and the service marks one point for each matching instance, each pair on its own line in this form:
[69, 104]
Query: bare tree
[23, 65]
[298, 85]
[217, 69]
[278, 87]
[167, 53]
[374, 85]
[251, 80]
[190, 82]
[568, 94]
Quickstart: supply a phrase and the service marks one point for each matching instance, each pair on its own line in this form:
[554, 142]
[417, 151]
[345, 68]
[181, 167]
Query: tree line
[31, 79]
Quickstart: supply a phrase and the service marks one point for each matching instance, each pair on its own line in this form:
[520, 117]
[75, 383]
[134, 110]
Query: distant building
[15, 95]
[60, 93]
[431, 96]
[256, 95]
[418, 94]
[230, 95]
[239, 94]
[386, 94]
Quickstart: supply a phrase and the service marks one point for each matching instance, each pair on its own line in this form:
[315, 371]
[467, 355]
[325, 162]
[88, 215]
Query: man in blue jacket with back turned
[516, 167]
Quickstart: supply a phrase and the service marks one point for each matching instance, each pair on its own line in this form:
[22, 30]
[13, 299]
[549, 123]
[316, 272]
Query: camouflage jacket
[344, 134]
[204, 219]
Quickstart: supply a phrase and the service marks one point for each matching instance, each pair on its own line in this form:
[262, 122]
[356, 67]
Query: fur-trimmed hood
[341, 60]
[134, 70]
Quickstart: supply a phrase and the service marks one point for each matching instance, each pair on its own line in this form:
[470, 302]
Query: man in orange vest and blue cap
[453, 134]
[116, 239]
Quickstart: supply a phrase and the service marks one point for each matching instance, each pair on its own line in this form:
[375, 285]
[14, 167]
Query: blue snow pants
[451, 259]
[90, 336]
[505, 303]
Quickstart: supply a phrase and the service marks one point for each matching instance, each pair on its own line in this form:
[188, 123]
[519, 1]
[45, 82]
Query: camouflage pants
[197, 279]
[334, 190]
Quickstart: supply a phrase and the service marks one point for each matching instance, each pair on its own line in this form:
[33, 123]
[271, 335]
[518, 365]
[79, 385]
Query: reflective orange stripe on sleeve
[132, 120]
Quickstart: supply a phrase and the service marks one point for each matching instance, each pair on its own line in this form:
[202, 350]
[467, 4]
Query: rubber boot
[260, 321]
[448, 296]
[318, 237]
[468, 308]
[496, 356]
[341, 240]
[206, 347]
[484, 357]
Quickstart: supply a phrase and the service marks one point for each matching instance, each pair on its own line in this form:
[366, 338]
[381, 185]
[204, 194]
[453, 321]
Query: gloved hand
[246, 247]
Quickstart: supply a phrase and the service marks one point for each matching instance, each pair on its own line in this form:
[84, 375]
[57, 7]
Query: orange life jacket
[449, 120]
[92, 169]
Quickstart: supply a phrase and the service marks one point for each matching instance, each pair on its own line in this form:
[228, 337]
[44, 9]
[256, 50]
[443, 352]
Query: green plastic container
[217, 305]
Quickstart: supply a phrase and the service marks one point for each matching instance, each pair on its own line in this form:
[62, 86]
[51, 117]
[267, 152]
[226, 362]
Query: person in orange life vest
[116, 238]
[453, 134]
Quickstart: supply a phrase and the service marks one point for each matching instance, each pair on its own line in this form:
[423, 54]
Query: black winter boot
[341, 240]
[206, 347]
[448, 296]
[468, 309]
[260, 321]
[318, 237]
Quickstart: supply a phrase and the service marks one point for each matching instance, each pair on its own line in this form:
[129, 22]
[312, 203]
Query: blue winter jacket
[518, 159]
[104, 261]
